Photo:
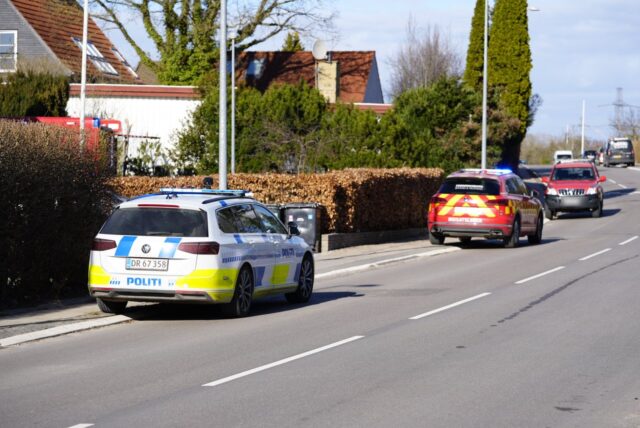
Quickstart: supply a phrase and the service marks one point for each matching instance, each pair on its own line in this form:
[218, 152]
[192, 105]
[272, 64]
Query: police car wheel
[597, 212]
[242, 296]
[305, 283]
[110, 306]
[512, 241]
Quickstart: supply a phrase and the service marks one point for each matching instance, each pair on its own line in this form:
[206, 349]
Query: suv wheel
[597, 212]
[536, 238]
[512, 241]
[436, 238]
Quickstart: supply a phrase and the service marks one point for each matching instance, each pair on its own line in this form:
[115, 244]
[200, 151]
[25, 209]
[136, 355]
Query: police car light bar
[489, 171]
[187, 191]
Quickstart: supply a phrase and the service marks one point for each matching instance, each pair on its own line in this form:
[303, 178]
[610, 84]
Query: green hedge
[51, 205]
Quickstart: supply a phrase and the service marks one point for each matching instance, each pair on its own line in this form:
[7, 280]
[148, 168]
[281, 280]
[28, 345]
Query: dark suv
[574, 186]
[619, 151]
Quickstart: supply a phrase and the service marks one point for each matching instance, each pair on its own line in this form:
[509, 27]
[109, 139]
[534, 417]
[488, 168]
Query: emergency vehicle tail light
[438, 200]
[199, 247]
[500, 202]
[103, 244]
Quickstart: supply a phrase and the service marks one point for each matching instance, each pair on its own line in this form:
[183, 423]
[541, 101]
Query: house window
[8, 51]
[124, 63]
[96, 57]
[255, 68]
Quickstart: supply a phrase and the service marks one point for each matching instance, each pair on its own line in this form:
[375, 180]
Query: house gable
[31, 49]
[58, 23]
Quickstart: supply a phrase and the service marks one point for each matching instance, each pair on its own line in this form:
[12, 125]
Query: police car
[198, 246]
[486, 203]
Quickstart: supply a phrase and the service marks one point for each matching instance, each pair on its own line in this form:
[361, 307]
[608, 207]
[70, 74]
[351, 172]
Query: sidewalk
[63, 317]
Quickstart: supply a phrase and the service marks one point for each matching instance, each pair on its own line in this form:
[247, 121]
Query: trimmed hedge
[353, 200]
[51, 205]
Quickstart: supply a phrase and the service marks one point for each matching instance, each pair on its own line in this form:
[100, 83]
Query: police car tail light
[103, 244]
[199, 247]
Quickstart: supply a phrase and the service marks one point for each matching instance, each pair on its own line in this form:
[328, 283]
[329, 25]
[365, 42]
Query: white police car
[197, 246]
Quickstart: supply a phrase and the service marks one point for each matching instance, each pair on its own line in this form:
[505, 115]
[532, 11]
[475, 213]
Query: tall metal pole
[83, 73]
[222, 133]
[484, 86]
[233, 104]
[584, 105]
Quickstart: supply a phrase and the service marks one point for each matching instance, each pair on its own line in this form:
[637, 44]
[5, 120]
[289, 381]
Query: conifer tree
[475, 52]
[509, 67]
[292, 43]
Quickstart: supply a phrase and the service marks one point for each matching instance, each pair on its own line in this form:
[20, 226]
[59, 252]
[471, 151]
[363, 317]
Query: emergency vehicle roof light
[488, 171]
[173, 192]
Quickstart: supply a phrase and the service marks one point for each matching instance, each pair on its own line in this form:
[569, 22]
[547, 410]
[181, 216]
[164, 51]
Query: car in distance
[559, 155]
[197, 246]
[574, 186]
[618, 151]
[590, 155]
[487, 203]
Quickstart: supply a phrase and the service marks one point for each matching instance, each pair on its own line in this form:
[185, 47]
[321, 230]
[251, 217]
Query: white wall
[151, 117]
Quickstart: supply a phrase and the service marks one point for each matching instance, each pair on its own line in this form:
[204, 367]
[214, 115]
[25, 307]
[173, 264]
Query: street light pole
[233, 104]
[83, 73]
[584, 106]
[222, 130]
[484, 86]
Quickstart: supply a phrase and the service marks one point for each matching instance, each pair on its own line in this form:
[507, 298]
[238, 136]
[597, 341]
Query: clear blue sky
[582, 50]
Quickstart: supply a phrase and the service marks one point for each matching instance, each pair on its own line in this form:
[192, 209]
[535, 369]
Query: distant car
[574, 186]
[493, 204]
[197, 246]
[590, 155]
[559, 155]
[618, 151]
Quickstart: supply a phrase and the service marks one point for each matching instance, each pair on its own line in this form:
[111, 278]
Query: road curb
[118, 319]
[63, 329]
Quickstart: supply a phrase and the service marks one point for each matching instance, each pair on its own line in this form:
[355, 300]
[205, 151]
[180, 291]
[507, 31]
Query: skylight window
[125, 63]
[96, 57]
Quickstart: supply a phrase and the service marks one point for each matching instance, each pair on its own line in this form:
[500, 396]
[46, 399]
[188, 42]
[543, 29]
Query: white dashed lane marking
[594, 254]
[453, 305]
[629, 240]
[522, 281]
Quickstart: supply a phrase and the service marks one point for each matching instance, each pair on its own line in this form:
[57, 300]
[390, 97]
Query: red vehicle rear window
[470, 186]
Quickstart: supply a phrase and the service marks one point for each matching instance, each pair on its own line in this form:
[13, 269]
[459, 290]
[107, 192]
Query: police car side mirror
[293, 228]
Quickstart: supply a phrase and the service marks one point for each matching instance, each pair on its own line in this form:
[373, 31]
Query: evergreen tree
[475, 52]
[292, 43]
[509, 68]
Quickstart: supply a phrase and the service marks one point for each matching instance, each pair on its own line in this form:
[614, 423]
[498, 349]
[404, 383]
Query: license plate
[147, 264]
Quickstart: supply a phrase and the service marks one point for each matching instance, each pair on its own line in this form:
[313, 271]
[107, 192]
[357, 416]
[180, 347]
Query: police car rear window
[157, 222]
[470, 186]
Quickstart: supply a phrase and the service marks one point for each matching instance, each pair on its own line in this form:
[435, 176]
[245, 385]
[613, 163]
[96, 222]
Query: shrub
[52, 205]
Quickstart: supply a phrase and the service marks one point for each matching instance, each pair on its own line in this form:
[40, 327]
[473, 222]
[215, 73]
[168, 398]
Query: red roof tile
[137, 91]
[57, 22]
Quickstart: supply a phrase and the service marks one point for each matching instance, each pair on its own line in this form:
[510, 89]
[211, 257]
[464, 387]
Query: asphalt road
[537, 336]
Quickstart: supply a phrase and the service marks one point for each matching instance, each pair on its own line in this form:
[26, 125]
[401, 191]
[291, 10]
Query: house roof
[355, 69]
[137, 91]
[57, 22]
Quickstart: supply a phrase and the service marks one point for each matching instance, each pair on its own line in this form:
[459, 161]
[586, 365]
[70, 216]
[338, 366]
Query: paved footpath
[71, 315]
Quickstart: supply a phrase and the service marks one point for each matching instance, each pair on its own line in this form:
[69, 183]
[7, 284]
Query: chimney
[328, 80]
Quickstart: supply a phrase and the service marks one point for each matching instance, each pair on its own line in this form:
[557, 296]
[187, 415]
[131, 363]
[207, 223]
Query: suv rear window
[470, 186]
[620, 146]
[157, 222]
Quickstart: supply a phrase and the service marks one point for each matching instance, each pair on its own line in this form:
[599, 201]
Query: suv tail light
[438, 200]
[199, 247]
[103, 244]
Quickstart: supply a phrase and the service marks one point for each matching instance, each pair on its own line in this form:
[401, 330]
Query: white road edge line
[594, 254]
[453, 305]
[63, 329]
[281, 362]
[522, 281]
[628, 240]
[622, 185]
[82, 426]
[368, 266]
